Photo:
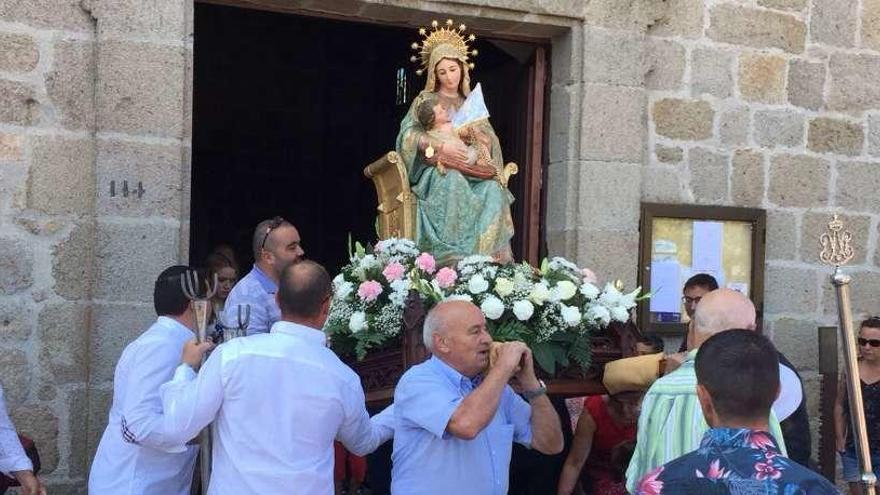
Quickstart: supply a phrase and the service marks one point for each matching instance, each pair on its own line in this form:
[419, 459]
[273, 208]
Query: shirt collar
[732, 438]
[267, 283]
[454, 376]
[308, 334]
[169, 322]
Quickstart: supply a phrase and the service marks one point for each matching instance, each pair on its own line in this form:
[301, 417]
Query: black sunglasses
[274, 224]
[872, 342]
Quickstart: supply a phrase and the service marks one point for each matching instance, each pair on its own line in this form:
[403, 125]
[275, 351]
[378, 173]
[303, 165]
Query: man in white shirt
[277, 400]
[13, 461]
[135, 455]
[276, 245]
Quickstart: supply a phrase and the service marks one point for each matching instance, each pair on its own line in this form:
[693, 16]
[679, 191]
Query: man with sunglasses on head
[276, 244]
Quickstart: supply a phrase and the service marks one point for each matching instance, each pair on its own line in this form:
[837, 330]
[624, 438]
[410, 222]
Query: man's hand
[526, 377]
[510, 356]
[193, 352]
[673, 362]
[30, 485]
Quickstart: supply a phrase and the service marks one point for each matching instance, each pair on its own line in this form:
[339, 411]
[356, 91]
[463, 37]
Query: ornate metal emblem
[836, 244]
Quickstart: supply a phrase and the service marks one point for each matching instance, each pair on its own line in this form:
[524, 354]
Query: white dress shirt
[12, 456]
[277, 401]
[135, 455]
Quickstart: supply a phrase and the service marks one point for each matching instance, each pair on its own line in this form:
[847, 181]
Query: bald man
[456, 418]
[671, 423]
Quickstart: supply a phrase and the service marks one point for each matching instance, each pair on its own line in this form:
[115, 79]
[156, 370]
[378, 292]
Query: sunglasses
[872, 342]
[691, 300]
[274, 224]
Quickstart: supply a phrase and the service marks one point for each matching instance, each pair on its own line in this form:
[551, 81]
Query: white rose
[460, 297]
[566, 290]
[619, 313]
[571, 315]
[337, 280]
[503, 286]
[523, 310]
[492, 307]
[589, 291]
[599, 314]
[477, 284]
[357, 322]
[540, 293]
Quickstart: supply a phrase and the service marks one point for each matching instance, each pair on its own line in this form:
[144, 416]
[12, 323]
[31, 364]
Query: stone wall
[758, 103]
[90, 92]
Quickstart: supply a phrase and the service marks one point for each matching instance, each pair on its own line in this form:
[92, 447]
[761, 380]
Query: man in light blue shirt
[456, 418]
[276, 244]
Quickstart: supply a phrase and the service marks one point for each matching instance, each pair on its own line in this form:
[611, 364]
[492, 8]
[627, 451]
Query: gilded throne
[396, 211]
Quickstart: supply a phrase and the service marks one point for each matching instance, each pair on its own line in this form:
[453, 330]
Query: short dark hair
[701, 280]
[870, 322]
[740, 370]
[168, 296]
[303, 288]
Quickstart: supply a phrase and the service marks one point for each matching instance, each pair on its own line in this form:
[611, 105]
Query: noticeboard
[679, 241]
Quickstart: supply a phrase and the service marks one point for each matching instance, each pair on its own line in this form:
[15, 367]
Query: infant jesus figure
[434, 118]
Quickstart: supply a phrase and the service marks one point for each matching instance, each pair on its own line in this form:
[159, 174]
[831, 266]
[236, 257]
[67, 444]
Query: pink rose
[369, 290]
[426, 263]
[394, 271]
[589, 276]
[446, 277]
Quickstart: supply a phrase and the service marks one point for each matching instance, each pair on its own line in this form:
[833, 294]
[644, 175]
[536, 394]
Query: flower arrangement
[552, 309]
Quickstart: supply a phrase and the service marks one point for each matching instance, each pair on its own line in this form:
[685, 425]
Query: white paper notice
[665, 288]
[706, 249]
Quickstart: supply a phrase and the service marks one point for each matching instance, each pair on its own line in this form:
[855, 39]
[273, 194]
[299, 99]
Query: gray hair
[433, 322]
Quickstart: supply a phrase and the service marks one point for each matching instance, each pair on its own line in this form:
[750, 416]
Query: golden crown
[443, 35]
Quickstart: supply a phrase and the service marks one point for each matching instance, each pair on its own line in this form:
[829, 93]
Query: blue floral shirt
[737, 462]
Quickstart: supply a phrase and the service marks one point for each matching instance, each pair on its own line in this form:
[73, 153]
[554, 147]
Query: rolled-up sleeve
[12, 456]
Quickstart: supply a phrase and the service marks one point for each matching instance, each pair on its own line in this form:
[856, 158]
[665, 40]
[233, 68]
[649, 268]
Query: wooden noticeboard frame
[653, 211]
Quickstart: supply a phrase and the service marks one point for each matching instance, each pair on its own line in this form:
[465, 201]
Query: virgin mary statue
[463, 205]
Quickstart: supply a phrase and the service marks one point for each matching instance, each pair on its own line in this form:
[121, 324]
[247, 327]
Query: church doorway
[289, 109]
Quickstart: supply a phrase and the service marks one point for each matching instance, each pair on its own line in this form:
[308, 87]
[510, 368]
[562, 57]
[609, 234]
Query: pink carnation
[589, 276]
[446, 277]
[394, 271]
[369, 290]
[426, 263]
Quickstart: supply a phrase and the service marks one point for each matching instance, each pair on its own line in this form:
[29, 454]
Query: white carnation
[619, 313]
[523, 310]
[540, 293]
[492, 307]
[610, 296]
[477, 284]
[629, 300]
[357, 322]
[570, 315]
[589, 291]
[566, 290]
[337, 280]
[344, 290]
[599, 314]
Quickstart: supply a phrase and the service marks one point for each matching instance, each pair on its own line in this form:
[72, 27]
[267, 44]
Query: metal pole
[853, 383]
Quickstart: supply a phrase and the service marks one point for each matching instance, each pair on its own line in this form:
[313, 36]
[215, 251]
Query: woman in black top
[869, 373]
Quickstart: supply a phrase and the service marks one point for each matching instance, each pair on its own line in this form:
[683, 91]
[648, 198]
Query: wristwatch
[528, 395]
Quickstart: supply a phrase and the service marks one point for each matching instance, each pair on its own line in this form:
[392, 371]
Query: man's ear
[440, 343]
[706, 405]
